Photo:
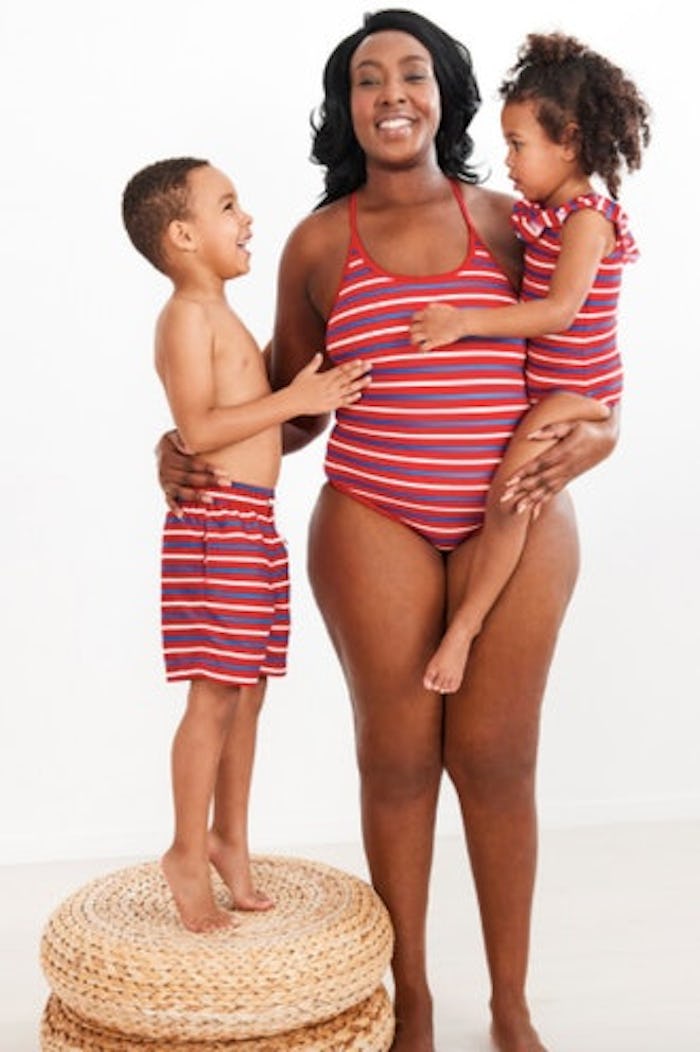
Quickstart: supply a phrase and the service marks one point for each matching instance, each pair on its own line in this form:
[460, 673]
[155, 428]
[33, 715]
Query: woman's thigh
[492, 722]
[381, 590]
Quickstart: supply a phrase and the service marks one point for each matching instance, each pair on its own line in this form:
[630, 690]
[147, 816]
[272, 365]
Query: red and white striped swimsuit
[584, 359]
[424, 440]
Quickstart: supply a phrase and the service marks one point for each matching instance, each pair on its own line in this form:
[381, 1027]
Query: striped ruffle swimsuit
[423, 442]
[583, 360]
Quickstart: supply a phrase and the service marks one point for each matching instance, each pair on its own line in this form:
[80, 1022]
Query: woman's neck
[402, 186]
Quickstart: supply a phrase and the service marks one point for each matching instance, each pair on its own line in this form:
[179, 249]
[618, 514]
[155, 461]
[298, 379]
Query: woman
[393, 530]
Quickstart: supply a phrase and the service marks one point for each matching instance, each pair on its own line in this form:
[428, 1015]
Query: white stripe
[427, 436]
[409, 459]
[461, 487]
[515, 407]
[419, 298]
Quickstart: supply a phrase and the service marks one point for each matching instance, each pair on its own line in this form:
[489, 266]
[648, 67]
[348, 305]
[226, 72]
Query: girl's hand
[183, 476]
[578, 446]
[438, 324]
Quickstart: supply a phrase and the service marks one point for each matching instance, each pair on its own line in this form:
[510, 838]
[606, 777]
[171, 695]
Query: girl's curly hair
[570, 83]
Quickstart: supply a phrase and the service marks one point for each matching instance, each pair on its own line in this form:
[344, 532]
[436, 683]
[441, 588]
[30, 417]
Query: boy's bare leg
[500, 544]
[228, 839]
[196, 751]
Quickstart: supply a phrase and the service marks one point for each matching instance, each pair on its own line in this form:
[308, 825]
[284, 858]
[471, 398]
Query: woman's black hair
[334, 143]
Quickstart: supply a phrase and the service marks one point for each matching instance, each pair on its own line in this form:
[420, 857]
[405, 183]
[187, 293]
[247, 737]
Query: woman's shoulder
[320, 232]
[490, 207]
[315, 254]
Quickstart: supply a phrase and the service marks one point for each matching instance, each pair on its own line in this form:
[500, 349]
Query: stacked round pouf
[307, 975]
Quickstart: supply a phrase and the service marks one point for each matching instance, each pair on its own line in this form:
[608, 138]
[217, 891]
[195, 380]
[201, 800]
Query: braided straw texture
[367, 1027]
[117, 955]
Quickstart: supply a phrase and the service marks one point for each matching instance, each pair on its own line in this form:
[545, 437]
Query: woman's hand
[183, 476]
[579, 446]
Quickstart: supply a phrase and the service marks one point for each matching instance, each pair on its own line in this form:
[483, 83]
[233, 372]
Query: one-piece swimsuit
[584, 359]
[423, 442]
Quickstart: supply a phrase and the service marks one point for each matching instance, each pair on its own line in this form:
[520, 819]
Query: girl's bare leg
[228, 838]
[500, 543]
[381, 590]
[196, 751]
[491, 736]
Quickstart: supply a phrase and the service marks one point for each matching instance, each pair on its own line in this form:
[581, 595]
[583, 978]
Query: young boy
[225, 598]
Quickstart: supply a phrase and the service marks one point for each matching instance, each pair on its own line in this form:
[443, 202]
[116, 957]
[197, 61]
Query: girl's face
[394, 99]
[542, 170]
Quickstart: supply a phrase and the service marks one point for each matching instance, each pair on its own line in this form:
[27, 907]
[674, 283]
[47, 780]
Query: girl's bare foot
[191, 889]
[445, 669]
[512, 1031]
[233, 866]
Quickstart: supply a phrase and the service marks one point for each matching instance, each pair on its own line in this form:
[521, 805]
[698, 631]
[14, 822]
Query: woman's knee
[393, 777]
[491, 769]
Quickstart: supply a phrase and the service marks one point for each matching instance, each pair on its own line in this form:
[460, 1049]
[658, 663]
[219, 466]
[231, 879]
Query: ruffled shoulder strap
[530, 220]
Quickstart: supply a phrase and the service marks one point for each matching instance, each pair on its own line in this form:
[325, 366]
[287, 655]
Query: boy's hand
[436, 326]
[183, 476]
[321, 392]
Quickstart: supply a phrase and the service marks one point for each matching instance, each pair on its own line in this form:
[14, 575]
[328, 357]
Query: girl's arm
[587, 237]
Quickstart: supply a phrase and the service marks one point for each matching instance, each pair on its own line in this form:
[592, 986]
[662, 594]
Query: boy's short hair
[153, 198]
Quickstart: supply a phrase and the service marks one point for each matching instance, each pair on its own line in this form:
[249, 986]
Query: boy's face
[218, 224]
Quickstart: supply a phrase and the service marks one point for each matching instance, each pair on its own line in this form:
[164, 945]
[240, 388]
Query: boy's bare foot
[191, 889]
[233, 866]
[445, 669]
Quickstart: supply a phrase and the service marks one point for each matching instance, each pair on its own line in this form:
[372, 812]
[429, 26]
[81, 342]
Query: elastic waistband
[243, 493]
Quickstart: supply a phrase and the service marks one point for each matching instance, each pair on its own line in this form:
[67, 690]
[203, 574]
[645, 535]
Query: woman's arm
[580, 446]
[304, 291]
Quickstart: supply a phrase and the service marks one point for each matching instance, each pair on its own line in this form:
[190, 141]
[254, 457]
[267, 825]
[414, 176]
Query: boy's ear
[180, 236]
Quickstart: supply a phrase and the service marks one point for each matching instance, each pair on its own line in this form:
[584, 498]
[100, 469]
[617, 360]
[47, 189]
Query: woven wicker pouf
[368, 1027]
[119, 961]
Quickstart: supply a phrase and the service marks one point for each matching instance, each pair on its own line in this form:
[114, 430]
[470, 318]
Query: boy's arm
[585, 240]
[185, 363]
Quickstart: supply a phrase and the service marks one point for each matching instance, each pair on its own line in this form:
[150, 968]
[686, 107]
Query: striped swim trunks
[225, 589]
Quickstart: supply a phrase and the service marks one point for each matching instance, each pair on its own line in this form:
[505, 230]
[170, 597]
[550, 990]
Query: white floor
[616, 947]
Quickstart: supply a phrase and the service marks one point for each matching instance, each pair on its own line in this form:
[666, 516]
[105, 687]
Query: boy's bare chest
[239, 369]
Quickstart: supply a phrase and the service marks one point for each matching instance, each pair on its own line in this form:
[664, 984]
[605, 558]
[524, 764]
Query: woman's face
[394, 98]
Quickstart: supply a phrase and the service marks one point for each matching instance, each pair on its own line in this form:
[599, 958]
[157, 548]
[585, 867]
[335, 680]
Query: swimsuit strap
[356, 242]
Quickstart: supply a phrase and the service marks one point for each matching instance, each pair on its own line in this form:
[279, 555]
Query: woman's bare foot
[445, 669]
[512, 1031]
[191, 889]
[233, 866]
[414, 1025]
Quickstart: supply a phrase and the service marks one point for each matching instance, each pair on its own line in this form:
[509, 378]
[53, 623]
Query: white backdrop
[89, 92]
